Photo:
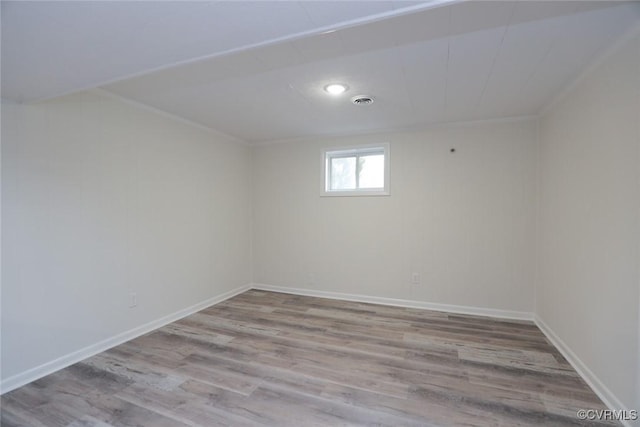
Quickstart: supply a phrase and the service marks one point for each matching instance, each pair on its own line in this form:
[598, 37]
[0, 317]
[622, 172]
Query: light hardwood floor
[265, 358]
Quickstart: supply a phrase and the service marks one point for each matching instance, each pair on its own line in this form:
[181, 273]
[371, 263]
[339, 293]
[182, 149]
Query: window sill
[354, 193]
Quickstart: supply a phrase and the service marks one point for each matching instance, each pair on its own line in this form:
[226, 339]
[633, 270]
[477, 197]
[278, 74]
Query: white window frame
[351, 151]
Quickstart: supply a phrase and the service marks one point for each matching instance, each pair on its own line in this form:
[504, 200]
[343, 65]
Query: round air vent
[362, 100]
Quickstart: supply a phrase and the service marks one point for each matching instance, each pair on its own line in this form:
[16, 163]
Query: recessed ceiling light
[336, 88]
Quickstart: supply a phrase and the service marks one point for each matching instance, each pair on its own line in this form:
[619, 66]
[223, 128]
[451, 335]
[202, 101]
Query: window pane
[371, 171]
[343, 173]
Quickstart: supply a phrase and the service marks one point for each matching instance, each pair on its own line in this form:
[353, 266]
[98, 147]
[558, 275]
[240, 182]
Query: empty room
[320, 213]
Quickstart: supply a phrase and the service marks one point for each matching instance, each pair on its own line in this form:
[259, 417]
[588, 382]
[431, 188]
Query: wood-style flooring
[266, 358]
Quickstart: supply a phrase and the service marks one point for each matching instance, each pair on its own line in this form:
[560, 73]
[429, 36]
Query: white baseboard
[460, 309]
[45, 369]
[603, 392]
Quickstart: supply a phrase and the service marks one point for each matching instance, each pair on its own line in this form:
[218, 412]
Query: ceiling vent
[362, 100]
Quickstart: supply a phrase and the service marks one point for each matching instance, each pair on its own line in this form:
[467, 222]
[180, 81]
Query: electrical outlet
[415, 278]
[133, 300]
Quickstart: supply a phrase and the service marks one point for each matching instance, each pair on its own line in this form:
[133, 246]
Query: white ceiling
[256, 70]
[50, 48]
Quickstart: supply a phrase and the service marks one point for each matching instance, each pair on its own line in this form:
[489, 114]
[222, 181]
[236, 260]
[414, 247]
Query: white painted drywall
[589, 226]
[464, 221]
[101, 199]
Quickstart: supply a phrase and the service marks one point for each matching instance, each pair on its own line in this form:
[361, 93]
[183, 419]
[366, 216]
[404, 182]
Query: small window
[356, 171]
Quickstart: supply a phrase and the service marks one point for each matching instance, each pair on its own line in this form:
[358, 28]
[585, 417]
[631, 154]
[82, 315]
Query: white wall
[465, 221]
[588, 286]
[101, 199]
